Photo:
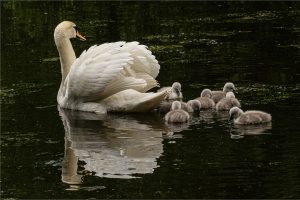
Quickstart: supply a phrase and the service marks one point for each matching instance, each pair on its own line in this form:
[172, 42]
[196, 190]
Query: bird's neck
[66, 53]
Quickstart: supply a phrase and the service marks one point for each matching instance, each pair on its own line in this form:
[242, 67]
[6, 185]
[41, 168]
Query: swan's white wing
[109, 68]
[144, 61]
[94, 70]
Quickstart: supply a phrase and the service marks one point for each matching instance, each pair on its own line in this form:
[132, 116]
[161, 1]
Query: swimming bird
[166, 106]
[205, 99]
[107, 77]
[249, 117]
[218, 95]
[195, 105]
[228, 102]
[177, 115]
[175, 91]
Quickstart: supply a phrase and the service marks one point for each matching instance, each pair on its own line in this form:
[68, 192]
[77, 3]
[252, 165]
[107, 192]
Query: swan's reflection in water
[112, 145]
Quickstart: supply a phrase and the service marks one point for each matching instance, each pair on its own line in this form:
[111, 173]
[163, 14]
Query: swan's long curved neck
[66, 53]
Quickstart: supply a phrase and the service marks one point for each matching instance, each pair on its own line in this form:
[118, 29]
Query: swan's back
[107, 69]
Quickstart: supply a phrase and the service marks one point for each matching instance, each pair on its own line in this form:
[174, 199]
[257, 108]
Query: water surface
[48, 152]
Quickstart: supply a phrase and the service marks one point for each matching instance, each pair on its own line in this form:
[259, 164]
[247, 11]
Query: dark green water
[47, 152]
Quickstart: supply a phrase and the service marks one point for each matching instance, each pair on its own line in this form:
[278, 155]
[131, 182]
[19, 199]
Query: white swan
[108, 77]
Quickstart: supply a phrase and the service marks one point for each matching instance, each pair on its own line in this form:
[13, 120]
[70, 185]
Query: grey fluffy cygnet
[205, 99]
[177, 115]
[249, 117]
[195, 105]
[165, 107]
[218, 95]
[175, 91]
[228, 102]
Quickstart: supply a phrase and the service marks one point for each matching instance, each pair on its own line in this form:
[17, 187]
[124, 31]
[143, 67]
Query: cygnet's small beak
[80, 37]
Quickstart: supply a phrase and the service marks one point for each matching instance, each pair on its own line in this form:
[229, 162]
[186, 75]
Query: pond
[49, 152]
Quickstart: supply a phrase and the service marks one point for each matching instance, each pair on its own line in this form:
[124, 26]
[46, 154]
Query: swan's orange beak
[80, 37]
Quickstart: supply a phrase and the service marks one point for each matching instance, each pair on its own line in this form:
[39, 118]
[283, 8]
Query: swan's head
[230, 95]
[195, 104]
[176, 86]
[235, 112]
[176, 105]
[229, 87]
[206, 93]
[67, 29]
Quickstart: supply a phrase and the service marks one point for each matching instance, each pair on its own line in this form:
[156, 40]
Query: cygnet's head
[176, 105]
[195, 104]
[230, 95]
[235, 112]
[229, 87]
[206, 93]
[176, 86]
[67, 29]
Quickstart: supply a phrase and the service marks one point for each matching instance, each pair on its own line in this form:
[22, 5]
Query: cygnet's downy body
[177, 115]
[174, 91]
[205, 100]
[195, 105]
[218, 95]
[165, 107]
[249, 117]
[228, 102]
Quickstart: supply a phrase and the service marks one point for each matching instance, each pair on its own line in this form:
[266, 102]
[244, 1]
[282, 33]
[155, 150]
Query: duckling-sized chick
[249, 117]
[228, 102]
[195, 105]
[175, 91]
[177, 115]
[218, 95]
[165, 107]
[205, 100]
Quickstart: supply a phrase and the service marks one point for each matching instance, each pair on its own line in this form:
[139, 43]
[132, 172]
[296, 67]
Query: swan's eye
[76, 29]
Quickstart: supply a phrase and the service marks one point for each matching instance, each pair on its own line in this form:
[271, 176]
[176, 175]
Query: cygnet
[195, 105]
[218, 95]
[228, 102]
[165, 107]
[177, 115]
[205, 100]
[249, 117]
[175, 91]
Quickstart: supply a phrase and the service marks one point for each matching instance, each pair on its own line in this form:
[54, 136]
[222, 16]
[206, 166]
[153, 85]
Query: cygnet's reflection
[239, 131]
[112, 145]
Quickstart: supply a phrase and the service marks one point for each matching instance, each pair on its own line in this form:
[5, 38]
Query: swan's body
[218, 95]
[177, 115]
[228, 102]
[205, 99]
[108, 77]
[249, 117]
[175, 91]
